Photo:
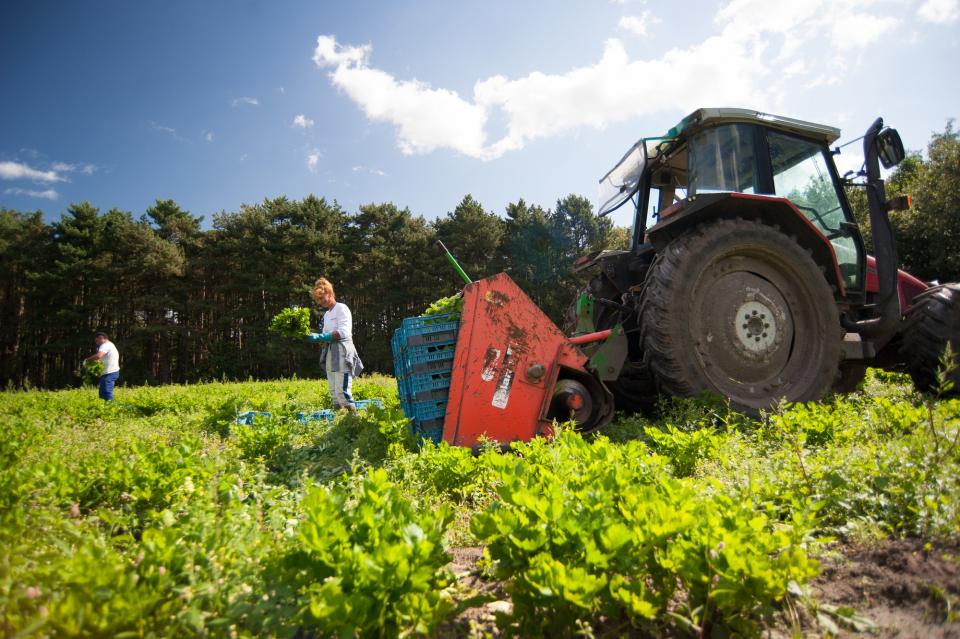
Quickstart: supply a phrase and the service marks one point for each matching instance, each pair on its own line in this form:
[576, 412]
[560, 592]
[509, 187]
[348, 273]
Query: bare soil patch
[905, 588]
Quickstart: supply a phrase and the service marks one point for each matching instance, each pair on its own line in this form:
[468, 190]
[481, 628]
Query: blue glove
[320, 337]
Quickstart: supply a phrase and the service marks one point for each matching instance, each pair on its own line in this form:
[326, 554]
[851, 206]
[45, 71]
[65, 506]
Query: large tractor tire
[738, 309]
[932, 322]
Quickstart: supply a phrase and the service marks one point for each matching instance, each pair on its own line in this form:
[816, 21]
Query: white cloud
[302, 121]
[245, 100]
[48, 194]
[939, 11]
[857, 30]
[19, 171]
[638, 25]
[759, 53]
[330, 53]
[313, 159]
[371, 171]
[208, 136]
[86, 169]
[427, 118]
[166, 130]
[162, 129]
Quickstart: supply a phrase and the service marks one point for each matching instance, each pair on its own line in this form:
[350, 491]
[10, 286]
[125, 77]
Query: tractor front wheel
[737, 308]
[932, 322]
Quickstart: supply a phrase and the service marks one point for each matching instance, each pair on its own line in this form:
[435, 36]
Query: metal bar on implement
[455, 264]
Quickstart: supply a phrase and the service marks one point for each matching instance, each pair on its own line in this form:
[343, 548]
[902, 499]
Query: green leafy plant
[177, 521]
[262, 439]
[374, 565]
[452, 305]
[291, 322]
[685, 449]
[91, 371]
[598, 531]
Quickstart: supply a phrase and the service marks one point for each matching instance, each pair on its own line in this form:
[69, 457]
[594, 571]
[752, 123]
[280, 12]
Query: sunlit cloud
[313, 159]
[638, 25]
[20, 171]
[245, 100]
[86, 169]
[167, 130]
[48, 194]
[759, 54]
[302, 121]
[857, 30]
[939, 11]
[370, 170]
[427, 118]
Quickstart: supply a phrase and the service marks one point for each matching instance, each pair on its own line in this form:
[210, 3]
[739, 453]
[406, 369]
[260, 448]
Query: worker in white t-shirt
[342, 361]
[106, 352]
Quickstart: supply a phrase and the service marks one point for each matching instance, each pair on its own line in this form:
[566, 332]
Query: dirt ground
[905, 589]
[897, 588]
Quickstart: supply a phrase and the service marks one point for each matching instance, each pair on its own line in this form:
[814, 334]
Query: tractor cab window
[666, 185]
[801, 174]
[722, 159]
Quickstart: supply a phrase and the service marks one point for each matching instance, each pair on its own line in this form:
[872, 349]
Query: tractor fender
[773, 211]
[908, 285]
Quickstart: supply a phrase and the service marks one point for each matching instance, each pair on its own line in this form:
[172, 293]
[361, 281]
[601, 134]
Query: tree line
[184, 303]
[928, 233]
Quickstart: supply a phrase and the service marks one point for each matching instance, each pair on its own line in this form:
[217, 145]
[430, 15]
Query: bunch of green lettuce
[452, 305]
[292, 322]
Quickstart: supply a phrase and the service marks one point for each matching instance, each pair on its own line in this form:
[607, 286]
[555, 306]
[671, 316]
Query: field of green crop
[158, 515]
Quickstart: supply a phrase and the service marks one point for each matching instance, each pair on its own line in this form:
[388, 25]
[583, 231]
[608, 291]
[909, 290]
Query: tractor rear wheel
[737, 308]
[932, 322]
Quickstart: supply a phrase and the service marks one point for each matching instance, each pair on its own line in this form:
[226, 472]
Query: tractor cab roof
[703, 118]
[621, 182]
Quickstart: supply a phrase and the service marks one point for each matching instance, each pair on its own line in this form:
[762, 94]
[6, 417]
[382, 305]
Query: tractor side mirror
[890, 148]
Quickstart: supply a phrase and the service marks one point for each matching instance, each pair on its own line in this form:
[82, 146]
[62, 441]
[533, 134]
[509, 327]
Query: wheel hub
[755, 327]
[748, 331]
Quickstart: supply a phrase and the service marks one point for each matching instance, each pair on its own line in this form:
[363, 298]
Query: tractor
[747, 276]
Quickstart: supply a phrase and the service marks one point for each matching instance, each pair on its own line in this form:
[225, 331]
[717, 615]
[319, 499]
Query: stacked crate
[422, 362]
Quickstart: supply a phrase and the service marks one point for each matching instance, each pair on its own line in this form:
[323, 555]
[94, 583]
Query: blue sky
[218, 104]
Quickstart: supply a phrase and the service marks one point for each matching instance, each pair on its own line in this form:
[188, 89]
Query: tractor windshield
[723, 159]
[617, 186]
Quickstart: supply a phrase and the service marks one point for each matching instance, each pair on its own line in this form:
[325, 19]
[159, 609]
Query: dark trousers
[107, 383]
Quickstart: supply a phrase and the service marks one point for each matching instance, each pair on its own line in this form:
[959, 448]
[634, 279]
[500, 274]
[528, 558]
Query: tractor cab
[747, 276]
[740, 151]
